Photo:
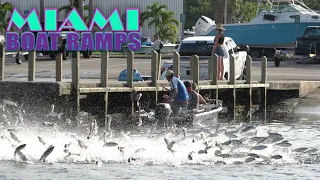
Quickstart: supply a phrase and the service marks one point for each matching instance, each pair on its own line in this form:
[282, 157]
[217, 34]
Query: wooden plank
[176, 64]
[104, 68]
[154, 65]
[130, 59]
[248, 70]
[59, 67]
[2, 61]
[263, 69]
[195, 69]
[31, 66]
[154, 74]
[75, 80]
[232, 70]
[214, 70]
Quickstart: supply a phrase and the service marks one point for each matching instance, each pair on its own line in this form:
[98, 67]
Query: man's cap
[169, 73]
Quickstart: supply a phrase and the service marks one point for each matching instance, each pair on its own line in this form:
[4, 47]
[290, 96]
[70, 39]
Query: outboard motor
[162, 113]
[203, 24]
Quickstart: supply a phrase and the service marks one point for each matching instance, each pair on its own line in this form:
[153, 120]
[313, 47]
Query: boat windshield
[292, 8]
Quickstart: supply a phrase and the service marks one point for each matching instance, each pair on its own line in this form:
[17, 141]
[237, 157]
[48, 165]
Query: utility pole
[91, 9]
[81, 8]
[41, 10]
[225, 11]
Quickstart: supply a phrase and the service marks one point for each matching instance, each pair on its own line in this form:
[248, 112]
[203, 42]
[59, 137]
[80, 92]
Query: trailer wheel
[86, 54]
[26, 56]
[52, 55]
[255, 54]
[277, 62]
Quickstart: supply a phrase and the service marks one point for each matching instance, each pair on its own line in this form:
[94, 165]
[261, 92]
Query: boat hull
[278, 35]
[206, 119]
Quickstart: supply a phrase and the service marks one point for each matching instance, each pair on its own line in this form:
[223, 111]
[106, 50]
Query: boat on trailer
[277, 25]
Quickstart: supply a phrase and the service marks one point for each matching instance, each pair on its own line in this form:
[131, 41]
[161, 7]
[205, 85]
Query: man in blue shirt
[178, 95]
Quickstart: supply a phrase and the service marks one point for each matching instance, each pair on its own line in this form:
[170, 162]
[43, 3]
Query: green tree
[74, 4]
[4, 9]
[163, 20]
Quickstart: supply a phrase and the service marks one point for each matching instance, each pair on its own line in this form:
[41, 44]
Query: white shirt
[156, 44]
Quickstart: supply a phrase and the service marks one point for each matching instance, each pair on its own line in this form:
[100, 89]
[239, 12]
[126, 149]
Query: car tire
[86, 54]
[52, 55]
[26, 57]
[277, 62]
[244, 73]
[255, 54]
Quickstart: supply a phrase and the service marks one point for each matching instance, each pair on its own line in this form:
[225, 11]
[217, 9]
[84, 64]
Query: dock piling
[2, 60]
[59, 67]
[249, 81]
[75, 80]
[154, 73]
[130, 59]
[263, 90]
[176, 64]
[195, 69]
[232, 82]
[159, 66]
[31, 65]
[214, 73]
[104, 79]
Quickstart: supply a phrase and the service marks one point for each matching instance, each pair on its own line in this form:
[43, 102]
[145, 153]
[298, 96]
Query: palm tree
[4, 8]
[74, 4]
[163, 20]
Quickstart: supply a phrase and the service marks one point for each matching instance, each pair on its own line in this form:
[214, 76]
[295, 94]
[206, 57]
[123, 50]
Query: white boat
[277, 24]
[205, 117]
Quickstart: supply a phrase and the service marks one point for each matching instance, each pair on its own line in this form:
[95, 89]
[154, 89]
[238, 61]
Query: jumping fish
[82, 144]
[54, 114]
[46, 153]
[250, 112]
[41, 140]
[14, 137]
[260, 147]
[169, 144]
[48, 124]
[110, 144]
[19, 148]
[10, 103]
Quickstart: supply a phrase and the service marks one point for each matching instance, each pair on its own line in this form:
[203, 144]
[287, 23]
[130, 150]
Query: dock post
[195, 70]
[232, 82]
[263, 90]
[31, 65]
[130, 59]
[75, 80]
[104, 79]
[249, 81]
[59, 67]
[2, 60]
[159, 66]
[154, 73]
[214, 73]
[176, 64]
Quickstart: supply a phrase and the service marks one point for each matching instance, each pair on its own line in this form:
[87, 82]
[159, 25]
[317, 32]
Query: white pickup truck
[202, 47]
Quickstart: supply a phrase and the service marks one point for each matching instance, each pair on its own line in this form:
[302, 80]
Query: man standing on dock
[178, 95]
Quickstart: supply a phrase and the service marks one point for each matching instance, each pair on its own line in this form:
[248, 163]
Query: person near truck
[218, 50]
[178, 97]
[157, 45]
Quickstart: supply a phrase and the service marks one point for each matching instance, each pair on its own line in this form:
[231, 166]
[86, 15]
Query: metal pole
[41, 10]
[225, 11]
[81, 8]
[91, 9]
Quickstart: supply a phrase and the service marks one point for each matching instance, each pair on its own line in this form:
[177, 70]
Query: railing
[155, 75]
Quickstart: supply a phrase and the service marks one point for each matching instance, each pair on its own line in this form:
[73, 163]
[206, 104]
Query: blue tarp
[136, 75]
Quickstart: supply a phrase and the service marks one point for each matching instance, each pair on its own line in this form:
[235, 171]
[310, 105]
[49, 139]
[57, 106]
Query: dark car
[308, 46]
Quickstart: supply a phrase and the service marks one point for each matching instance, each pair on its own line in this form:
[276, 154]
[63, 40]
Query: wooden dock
[155, 87]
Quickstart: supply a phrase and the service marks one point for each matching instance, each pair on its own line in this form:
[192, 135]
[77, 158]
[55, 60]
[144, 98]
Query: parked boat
[277, 24]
